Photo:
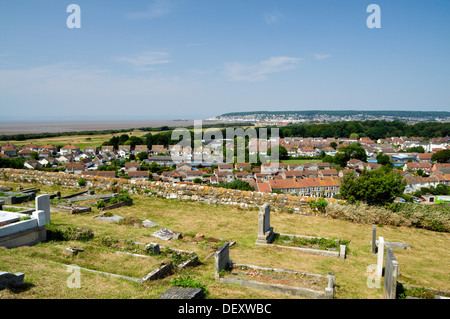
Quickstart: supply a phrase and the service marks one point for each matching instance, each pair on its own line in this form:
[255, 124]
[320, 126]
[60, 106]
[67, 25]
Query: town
[305, 169]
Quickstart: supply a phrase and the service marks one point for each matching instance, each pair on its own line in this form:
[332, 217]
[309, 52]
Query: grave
[224, 265]
[148, 224]
[388, 244]
[266, 237]
[26, 232]
[164, 234]
[111, 219]
[265, 232]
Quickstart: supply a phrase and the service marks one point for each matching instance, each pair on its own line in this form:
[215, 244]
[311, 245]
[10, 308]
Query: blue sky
[193, 59]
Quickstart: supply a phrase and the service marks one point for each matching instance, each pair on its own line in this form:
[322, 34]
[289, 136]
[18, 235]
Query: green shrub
[81, 182]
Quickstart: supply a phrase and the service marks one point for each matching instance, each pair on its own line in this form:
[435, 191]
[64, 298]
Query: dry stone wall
[208, 194]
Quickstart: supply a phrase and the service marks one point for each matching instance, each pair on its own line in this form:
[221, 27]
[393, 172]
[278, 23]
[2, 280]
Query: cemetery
[127, 260]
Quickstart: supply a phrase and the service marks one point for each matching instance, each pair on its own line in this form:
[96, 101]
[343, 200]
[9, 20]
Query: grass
[426, 265]
[80, 141]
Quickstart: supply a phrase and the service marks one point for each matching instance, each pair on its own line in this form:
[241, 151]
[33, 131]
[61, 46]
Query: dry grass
[426, 265]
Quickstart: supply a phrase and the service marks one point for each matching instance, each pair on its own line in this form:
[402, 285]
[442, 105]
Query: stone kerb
[222, 262]
[266, 235]
[390, 275]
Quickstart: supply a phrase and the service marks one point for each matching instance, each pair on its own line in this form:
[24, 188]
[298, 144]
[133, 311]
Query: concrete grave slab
[164, 234]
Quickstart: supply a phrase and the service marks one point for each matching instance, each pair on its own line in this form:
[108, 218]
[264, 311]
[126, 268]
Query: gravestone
[9, 280]
[222, 258]
[176, 292]
[265, 232]
[43, 204]
[164, 234]
[380, 255]
[374, 238]
[2, 202]
[390, 275]
[152, 248]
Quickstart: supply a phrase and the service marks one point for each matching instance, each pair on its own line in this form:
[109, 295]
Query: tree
[354, 150]
[442, 156]
[416, 149]
[375, 187]
[142, 156]
[197, 180]
[282, 152]
[384, 159]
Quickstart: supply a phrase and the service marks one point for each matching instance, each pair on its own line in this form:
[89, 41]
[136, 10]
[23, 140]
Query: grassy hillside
[45, 276]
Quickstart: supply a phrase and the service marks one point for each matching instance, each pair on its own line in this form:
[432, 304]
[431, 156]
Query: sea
[55, 126]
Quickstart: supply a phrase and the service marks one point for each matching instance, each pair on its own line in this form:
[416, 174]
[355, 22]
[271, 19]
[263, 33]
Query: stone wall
[183, 191]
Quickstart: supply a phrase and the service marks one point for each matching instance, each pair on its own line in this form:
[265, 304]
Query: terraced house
[311, 187]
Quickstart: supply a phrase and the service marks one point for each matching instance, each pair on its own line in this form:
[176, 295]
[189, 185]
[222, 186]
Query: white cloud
[146, 61]
[272, 18]
[259, 72]
[158, 8]
[322, 56]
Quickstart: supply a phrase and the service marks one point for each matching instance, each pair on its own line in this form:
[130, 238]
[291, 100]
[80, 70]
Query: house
[354, 163]
[426, 167]
[45, 154]
[415, 183]
[329, 173]
[32, 164]
[99, 160]
[132, 166]
[319, 187]
[92, 150]
[184, 167]
[3, 155]
[225, 167]
[32, 147]
[242, 166]
[9, 151]
[172, 176]
[75, 168]
[295, 166]
[107, 149]
[64, 159]
[310, 167]
[189, 176]
[291, 174]
[307, 151]
[263, 177]
[139, 174]
[244, 176]
[323, 165]
[70, 150]
[424, 158]
[288, 186]
[224, 176]
[157, 149]
[25, 153]
[125, 148]
[140, 149]
[263, 188]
